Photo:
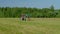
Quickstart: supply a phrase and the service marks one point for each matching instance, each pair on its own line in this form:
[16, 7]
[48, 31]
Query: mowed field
[34, 26]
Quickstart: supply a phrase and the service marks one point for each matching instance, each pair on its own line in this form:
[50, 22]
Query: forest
[15, 12]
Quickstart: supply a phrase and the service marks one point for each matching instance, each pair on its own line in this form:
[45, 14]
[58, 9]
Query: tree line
[15, 12]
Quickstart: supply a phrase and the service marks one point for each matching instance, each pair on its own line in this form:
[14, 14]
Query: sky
[30, 3]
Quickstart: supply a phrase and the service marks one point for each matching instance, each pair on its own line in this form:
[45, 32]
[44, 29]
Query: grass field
[34, 26]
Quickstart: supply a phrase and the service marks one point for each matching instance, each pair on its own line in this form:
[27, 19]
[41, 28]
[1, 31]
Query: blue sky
[30, 3]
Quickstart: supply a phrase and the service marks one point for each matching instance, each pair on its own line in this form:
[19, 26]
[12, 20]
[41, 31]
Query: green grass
[34, 26]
